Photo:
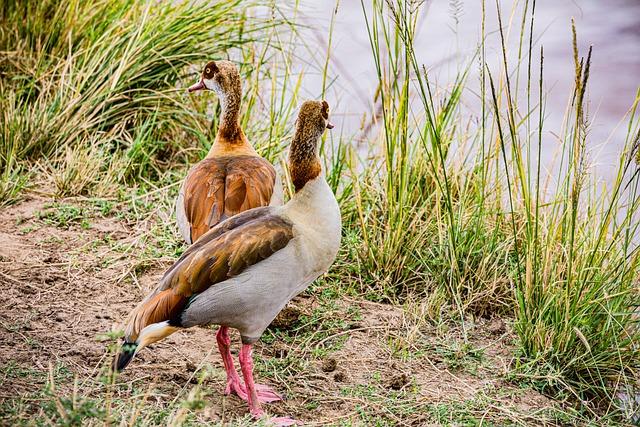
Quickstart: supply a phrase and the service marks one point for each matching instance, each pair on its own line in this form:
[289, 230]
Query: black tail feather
[125, 356]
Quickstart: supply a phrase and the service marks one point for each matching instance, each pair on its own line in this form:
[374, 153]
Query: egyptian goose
[233, 177]
[243, 271]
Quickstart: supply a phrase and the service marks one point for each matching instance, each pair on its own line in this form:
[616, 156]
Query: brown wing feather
[228, 254]
[204, 190]
[161, 306]
[220, 187]
[249, 184]
[223, 252]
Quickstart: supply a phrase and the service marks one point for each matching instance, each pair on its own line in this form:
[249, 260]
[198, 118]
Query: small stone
[286, 319]
[398, 382]
[190, 366]
[340, 377]
[329, 365]
[496, 326]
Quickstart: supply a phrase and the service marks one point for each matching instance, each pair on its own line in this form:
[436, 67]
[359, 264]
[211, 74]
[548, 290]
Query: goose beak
[198, 86]
[329, 125]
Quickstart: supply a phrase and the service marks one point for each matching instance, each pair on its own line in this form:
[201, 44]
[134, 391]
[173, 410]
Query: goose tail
[125, 356]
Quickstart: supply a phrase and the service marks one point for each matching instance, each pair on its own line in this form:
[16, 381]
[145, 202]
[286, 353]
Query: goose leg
[234, 385]
[246, 364]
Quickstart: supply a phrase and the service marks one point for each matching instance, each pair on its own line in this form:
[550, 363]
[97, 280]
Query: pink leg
[246, 364]
[234, 385]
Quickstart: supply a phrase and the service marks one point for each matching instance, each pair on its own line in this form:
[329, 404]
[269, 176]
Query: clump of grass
[13, 181]
[14, 177]
[76, 171]
[424, 223]
[577, 268]
[63, 215]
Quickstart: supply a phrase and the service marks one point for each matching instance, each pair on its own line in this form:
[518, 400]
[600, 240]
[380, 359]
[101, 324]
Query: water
[444, 47]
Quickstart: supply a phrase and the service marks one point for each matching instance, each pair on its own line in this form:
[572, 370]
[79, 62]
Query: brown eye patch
[325, 109]
[210, 70]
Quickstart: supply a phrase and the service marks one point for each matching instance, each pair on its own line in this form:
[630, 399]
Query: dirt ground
[66, 286]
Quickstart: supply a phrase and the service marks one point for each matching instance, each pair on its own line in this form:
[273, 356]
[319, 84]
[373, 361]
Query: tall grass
[478, 235]
[425, 223]
[576, 263]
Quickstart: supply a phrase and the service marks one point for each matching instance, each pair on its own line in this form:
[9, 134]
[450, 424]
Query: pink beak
[198, 86]
[329, 125]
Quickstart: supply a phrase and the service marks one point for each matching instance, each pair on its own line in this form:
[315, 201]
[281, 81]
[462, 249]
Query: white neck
[315, 214]
[314, 204]
[314, 188]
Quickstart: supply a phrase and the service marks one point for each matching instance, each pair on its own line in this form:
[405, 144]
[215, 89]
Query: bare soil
[64, 288]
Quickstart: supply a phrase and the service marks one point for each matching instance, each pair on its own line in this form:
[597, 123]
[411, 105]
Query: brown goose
[242, 272]
[233, 177]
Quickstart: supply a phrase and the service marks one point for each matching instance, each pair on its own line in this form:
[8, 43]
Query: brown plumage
[304, 164]
[224, 252]
[161, 306]
[232, 178]
[218, 188]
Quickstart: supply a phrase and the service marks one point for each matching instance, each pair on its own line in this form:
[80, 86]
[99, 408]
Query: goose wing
[223, 252]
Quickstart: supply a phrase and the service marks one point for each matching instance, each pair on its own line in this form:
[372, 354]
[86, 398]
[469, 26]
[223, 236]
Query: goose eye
[325, 109]
[208, 70]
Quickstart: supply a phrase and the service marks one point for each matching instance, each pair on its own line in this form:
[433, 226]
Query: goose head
[312, 120]
[304, 163]
[222, 77]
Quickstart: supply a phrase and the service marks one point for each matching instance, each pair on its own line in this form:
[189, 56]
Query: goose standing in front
[242, 272]
[233, 177]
